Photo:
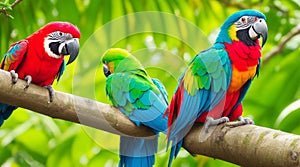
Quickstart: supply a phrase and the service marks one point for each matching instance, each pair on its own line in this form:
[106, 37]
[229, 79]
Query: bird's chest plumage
[244, 60]
[239, 78]
[40, 67]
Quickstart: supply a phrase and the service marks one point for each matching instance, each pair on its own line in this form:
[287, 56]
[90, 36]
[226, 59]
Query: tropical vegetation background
[31, 139]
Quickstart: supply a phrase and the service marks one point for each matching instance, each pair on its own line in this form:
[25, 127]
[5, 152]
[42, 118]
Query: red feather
[34, 60]
[174, 107]
[223, 109]
[242, 55]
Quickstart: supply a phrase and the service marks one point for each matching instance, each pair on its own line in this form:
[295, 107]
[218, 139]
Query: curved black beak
[70, 47]
[106, 70]
[258, 29]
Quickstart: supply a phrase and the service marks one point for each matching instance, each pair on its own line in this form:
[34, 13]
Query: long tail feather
[137, 151]
[5, 111]
[174, 151]
[184, 121]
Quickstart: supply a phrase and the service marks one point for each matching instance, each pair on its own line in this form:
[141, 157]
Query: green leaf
[287, 111]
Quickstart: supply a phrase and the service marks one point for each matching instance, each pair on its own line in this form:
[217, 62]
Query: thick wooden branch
[68, 107]
[245, 145]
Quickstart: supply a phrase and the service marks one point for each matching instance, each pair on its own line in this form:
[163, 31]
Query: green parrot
[141, 98]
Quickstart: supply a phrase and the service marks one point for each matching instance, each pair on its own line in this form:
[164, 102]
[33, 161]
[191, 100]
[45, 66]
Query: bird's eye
[60, 33]
[243, 20]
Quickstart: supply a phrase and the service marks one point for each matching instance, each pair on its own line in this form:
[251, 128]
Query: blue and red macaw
[215, 82]
[39, 58]
[139, 97]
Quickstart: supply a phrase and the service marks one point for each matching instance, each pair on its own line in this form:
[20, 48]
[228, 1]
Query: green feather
[200, 83]
[206, 81]
[134, 94]
[129, 84]
[207, 68]
[122, 59]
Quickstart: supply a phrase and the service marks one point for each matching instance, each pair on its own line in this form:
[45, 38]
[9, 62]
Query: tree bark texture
[247, 145]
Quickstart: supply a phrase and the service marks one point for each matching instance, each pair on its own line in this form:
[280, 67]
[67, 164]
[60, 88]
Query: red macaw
[215, 82]
[40, 58]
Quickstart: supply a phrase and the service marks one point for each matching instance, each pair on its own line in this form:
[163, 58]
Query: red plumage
[223, 109]
[32, 59]
[174, 107]
[243, 56]
[218, 78]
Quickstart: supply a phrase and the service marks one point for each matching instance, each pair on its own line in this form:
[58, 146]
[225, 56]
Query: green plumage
[140, 98]
[207, 71]
[129, 82]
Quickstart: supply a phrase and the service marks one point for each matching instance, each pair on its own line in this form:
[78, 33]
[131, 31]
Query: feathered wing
[5, 111]
[162, 89]
[201, 88]
[11, 61]
[142, 102]
[61, 70]
[13, 58]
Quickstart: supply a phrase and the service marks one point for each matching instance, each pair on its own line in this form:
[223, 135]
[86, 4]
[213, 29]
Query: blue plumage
[213, 82]
[136, 152]
[216, 80]
[13, 54]
[139, 151]
[61, 70]
[223, 35]
[5, 111]
[143, 100]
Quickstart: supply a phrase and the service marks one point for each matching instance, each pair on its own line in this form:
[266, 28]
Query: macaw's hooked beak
[259, 28]
[70, 47]
[106, 70]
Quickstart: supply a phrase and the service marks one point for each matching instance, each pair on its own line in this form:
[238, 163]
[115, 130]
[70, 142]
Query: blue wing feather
[139, 151]
[161, 88]
[11, 61]
[5, 111]
[61, 70]
[14, 56]
[215, 69]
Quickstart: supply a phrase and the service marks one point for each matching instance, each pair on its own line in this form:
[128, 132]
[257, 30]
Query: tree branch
[3, 10]
[15, 3]
[245, 145]
[68, 107]
[278, 49]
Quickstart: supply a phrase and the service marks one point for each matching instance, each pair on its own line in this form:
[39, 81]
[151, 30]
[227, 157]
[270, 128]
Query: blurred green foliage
[30, 139]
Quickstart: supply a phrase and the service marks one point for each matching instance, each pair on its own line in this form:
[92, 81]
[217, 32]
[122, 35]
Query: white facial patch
[47, 42]
[245, 22]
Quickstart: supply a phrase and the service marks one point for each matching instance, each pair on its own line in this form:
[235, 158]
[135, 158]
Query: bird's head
[60, 39]
[246, 26]
[119, 60]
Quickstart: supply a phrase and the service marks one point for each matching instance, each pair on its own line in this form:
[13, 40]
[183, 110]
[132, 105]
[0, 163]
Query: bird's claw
[28, 80]
[213, 122]
[241, 121]
[14, 76]
[51, 92]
